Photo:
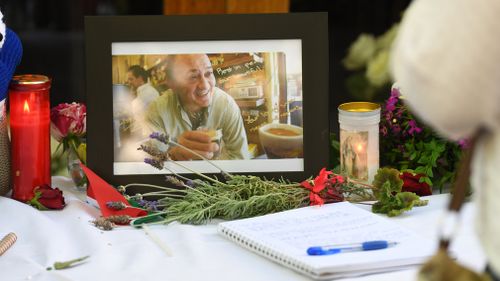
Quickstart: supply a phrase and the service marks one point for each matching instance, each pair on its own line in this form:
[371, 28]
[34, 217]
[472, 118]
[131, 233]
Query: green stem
[199, 174]
[153, 186]
[201, 156]
[154, 194]
[187, 186]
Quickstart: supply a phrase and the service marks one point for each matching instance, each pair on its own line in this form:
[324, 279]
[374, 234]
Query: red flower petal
[411, 184]
[306, 184]
[51, 198]
[321, 180]
[315, 199]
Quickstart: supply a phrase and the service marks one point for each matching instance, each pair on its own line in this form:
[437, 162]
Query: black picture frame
[102, 31]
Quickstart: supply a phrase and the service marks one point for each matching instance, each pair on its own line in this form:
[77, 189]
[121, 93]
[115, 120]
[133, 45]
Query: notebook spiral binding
[7, 242]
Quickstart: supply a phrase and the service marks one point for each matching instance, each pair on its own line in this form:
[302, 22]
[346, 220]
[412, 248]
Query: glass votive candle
[30, 134]
[359, 140]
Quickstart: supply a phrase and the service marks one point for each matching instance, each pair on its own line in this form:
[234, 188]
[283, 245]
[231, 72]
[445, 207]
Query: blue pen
[336, 249]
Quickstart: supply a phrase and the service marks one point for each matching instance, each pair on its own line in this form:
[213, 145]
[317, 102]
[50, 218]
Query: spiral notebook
[284, 238]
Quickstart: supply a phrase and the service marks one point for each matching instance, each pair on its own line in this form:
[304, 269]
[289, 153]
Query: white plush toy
[446, 59]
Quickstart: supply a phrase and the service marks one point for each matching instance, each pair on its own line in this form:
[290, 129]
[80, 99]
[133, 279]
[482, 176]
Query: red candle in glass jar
[30, 134]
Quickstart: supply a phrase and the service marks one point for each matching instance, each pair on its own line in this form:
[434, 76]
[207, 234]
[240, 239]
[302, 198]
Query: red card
[103, 192]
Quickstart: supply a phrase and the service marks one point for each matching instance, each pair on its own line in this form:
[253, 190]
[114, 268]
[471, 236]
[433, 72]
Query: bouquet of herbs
[197, 201]
[409, 146]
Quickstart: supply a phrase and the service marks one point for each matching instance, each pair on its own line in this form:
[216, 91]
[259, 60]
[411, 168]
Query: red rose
[411, 183]
[47, 197]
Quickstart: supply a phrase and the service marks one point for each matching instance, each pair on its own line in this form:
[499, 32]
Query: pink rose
[68, 120]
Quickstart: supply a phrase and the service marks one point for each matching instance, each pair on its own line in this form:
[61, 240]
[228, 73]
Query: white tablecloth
[199, 253]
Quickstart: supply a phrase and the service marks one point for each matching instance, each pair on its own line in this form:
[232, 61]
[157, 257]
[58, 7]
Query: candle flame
[26, 106]
[359, 147]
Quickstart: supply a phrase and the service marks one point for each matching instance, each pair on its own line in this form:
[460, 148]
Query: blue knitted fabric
[10, 56]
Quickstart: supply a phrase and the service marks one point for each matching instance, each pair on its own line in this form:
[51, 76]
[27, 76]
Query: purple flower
[154, 162]
[392, 101]
[148, 205]
[164, 138]
[399, 113]
[383, 131]
[390, 106]
[413, 128]
[463, 143]
[396, 129]
[388, 117]
[395, 93]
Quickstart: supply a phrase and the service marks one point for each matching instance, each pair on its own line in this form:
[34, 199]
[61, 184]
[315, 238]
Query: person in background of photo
[137, 79]
[194, 106]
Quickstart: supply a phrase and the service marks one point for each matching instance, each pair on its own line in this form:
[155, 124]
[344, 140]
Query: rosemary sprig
[240, 196]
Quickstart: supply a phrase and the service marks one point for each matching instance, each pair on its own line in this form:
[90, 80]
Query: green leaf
[427, 180]
[386, 181]
[67, 264]
[423, 159]
[405, 202]
[35, 203]
[413, 155]
[420, 170]
[429, 172]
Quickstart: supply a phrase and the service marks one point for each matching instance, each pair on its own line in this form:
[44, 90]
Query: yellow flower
[384, 41]
[82, 152]
[360, 52]
[377, 70]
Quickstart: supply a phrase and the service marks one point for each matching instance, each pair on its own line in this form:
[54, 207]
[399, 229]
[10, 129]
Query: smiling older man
[193, 105]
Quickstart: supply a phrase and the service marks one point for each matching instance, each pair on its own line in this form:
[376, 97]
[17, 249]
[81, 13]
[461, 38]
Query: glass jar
[359, 140]
[30, 134]
[75, 171]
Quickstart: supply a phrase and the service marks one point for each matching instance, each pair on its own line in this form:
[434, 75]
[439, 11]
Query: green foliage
[396, 205]
[334, 151]
[240, 197]
[407, 145]
[386, 182]
[387, 189]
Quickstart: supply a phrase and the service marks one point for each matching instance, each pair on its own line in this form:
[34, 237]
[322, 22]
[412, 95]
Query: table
[199, 253]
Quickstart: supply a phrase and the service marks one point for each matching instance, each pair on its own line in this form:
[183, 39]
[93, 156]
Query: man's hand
[198, 141]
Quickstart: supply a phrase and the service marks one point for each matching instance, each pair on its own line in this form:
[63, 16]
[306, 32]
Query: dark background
[53, 41]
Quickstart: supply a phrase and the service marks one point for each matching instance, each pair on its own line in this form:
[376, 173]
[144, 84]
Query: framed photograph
[249, 92]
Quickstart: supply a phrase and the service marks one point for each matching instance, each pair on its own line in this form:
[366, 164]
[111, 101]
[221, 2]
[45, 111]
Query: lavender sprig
[158, 164]
[116, 205]
[151, 206]
[161, 137]
[175, 181]
[158, 156]
[155, 152]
